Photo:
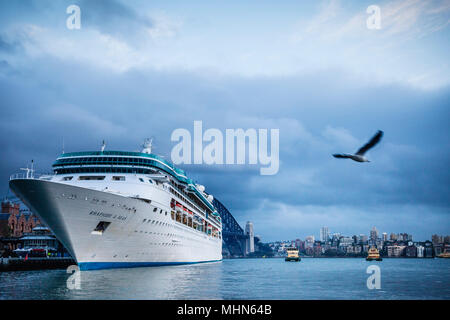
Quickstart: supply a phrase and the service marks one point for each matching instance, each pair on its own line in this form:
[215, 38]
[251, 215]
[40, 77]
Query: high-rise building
[324, 234]
[436, 239]
[250, 242]
[309, 241]
[374, 234]
[385, 237]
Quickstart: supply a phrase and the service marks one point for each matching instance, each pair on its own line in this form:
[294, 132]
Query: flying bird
[359, 155]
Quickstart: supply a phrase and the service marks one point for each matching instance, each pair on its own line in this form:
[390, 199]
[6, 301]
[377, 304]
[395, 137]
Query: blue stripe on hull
[110, 265]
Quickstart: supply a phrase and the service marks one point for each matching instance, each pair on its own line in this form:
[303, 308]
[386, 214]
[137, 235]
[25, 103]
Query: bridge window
[91, 178]
[118, 178]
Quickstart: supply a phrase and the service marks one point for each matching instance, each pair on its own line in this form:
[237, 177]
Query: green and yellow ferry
[292, 254]
[373, 254]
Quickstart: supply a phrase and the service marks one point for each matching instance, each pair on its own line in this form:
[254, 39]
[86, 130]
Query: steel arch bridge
[232, 234]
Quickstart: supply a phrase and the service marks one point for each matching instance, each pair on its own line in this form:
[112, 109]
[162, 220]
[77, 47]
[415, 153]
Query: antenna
[103, 146]
[63, 145]
[29, 172]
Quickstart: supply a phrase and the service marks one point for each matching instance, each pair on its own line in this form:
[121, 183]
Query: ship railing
[31, 176]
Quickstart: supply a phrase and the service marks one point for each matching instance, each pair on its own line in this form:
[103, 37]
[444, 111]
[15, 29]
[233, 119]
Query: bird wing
[375, 139]
[342, 156]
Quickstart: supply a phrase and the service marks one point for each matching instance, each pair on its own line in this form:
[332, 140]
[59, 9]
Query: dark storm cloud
[408, 168]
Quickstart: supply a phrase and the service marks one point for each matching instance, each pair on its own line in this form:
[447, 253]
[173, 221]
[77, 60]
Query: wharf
[16, 264]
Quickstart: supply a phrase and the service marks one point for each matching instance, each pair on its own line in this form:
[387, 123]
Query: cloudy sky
[314, 70]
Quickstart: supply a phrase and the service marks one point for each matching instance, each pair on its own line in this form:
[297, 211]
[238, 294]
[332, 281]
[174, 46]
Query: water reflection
[241, 279]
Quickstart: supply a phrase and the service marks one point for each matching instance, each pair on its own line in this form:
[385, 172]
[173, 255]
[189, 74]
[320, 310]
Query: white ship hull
[136, 236]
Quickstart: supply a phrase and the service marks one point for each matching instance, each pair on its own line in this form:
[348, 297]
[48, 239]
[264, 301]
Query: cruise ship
[115, 209]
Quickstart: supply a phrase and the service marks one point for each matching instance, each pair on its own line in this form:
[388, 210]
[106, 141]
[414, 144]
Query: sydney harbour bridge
[233, 236]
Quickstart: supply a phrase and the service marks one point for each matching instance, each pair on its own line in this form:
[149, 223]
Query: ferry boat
[124, 209]
[445, 255]
[373, 254]
[292, 254]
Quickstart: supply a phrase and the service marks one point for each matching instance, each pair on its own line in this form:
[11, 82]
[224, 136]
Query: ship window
[91, 178]
[154, 210]
[101, 227]
[67, 178]
[118, 178]
[141, 180]
[150, 181]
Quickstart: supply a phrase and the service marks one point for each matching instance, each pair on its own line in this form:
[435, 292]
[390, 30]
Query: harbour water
[326, 278]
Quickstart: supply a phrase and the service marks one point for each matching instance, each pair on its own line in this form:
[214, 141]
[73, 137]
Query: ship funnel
[147, 146]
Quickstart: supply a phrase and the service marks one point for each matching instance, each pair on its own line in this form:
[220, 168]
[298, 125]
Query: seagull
[359, 155]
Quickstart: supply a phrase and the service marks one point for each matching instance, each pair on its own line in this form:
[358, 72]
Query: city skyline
[380, 236]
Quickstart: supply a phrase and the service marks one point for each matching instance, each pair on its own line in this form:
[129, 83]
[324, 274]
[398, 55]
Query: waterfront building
[324, 234]
[15, 222]
[438, 249]
[393, 237]
[411, 251]
[250, 242]
[354, 249]
[395, 251]
[420, 251]
[428, 251]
